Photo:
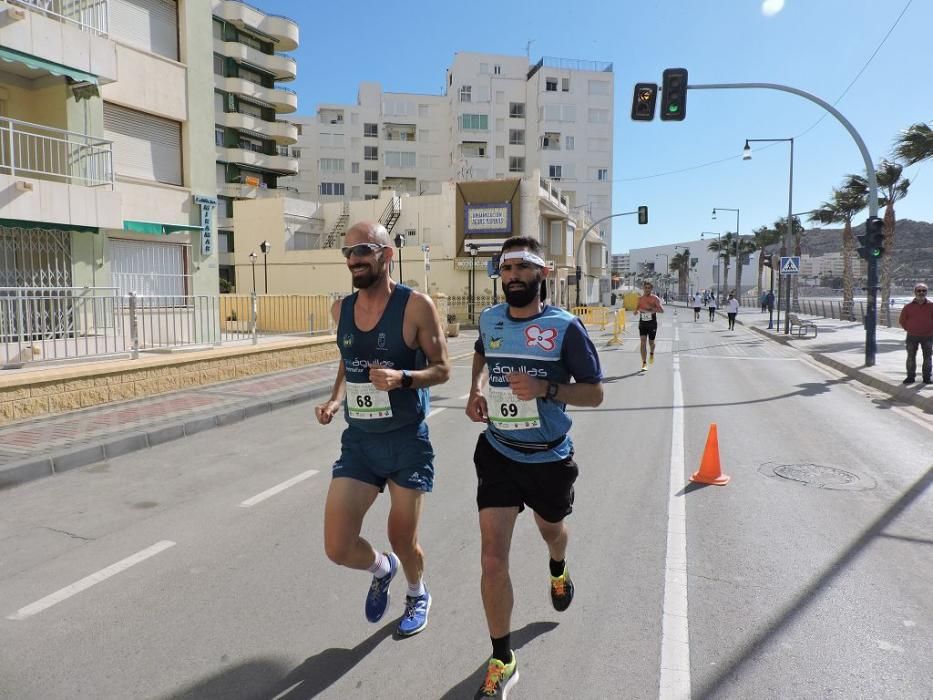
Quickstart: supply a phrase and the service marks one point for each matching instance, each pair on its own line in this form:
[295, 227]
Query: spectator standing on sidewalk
[732, 310]
[917, 319]
[392, 349]
[769, 302]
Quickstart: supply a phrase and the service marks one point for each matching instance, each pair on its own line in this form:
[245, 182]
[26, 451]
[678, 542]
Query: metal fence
[88, 15]
[71, 323]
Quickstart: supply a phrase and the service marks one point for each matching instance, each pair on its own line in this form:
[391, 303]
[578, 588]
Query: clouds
[769, 8]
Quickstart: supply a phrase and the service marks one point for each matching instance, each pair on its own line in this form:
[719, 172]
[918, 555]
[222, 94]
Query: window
[500, 97]
[568, 143]
[598, 87]
[218, 136]
[565, 84]
[551, 141]
[517, 110]
[371, 130]
[330, 165]
[554, 172]
[370, 153]
[516, 164]
[332, 188]
[144, 146]
[517, 137]
[367, 197]
[497, 69]
[355, 168]
[474, 122]
[218, 65]
[500, 151]
[602, 174]
[465, 93]
[598, 116]
[399, 159]
[550, 84]
[370, 177]
[225, 242]
[558, 113]
[473, 149]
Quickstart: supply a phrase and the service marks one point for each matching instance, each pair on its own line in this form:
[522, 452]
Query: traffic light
[646, 94]
[872, 240]
[674, 94]
[643, 215]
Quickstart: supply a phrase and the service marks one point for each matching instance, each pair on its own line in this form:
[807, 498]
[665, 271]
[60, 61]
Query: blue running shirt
[552, 345]
[366, 408]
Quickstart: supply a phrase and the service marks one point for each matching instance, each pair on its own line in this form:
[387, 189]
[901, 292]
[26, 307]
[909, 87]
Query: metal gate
[32, 257]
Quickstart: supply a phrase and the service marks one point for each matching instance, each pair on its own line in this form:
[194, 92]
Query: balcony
[400, 132]
[282, 30]
[35, 150]
[280, 66]
[281, 132]
[265, 161]
[553, 202]
[283, 100]
[85, 15]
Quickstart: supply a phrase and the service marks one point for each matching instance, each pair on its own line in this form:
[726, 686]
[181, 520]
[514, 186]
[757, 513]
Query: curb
[900, 393]
[16, 473]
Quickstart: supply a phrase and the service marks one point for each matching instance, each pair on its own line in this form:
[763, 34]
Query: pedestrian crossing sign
[790, 265]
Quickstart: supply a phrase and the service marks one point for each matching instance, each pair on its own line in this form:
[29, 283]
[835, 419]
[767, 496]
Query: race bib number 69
[508, 412]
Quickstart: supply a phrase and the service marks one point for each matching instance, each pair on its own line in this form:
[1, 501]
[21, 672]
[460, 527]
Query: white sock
[416, 590]
[380, 567]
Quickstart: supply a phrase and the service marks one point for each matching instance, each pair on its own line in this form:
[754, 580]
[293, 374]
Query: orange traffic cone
[710, 472]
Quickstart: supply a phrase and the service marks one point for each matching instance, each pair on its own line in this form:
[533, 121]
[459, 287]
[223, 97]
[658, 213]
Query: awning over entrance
[40, 64]
[156, 228]
[20, 223]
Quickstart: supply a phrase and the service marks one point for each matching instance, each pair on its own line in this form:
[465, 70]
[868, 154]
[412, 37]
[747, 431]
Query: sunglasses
[920, 291]
[361, 250]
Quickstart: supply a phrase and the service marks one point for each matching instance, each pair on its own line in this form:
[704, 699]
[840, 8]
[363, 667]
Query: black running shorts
[649, 328]
[545, 487]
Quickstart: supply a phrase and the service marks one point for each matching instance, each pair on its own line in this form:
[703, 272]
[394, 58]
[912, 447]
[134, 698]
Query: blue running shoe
[377, 600]
[415, 617]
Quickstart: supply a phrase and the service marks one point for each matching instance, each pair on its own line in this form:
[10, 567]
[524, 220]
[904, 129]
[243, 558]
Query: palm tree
[893, 188]
[844, 204]
[763, 237]
[744, 246]
[914, 144]
[680, 263]
[725, 246]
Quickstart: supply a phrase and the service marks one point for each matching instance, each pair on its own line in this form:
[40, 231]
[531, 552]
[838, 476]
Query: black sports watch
[407, 379]
[552, 389]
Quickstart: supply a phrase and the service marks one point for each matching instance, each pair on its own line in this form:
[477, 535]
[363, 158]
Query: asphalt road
[195, 569]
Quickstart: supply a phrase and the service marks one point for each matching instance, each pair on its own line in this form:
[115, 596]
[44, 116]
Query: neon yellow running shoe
[561, 590]
[651, 359]
[500, 678]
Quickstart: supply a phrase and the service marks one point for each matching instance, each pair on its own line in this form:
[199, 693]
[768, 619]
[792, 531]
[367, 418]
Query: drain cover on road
[819, 476]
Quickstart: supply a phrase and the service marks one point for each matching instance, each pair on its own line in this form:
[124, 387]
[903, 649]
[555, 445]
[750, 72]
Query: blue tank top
[383, 346]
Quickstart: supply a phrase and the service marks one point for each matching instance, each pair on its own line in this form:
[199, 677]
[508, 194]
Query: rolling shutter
[144, 146]
[150, 25]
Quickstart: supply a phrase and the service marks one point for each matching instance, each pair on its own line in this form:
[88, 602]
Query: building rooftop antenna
[528, 49]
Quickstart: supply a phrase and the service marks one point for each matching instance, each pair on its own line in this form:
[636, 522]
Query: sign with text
[488, 218]
[469, 263]
[207, 205]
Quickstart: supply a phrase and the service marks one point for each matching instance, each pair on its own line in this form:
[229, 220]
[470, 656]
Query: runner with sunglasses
[392, 349]
[917, 319]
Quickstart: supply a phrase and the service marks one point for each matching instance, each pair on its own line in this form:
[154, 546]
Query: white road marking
[465, 396]
[269, 493]
[88, 581]
[675, 638]
[435, 411]
[740, 357]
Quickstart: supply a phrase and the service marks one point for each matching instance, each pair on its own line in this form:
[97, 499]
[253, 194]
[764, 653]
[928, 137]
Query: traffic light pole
[579, 270]
[870, 314]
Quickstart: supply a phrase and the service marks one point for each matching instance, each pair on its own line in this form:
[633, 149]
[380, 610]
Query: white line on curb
[269, 493]
[88, 581]
[675, 641]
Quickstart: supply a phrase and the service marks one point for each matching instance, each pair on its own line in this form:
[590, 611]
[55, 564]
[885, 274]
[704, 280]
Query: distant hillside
[913, 255]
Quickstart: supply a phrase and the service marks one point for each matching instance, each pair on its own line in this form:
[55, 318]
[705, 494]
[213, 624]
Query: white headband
[524, 256]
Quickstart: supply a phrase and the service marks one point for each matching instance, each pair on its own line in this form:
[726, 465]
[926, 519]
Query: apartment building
[105, 146]
[499, 118]
[254, 147]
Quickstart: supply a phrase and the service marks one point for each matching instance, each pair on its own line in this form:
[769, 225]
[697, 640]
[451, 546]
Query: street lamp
[737, 236]
[718, 256]
[474, 249]
[265, 246]
[252, 259]
[747, 155]
[579, 270]
[399, 242]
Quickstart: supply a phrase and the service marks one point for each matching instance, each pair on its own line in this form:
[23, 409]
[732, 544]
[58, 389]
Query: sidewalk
[841, 345]
[41, 447]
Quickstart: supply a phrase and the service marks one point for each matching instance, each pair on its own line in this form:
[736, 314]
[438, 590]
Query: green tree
[914, 144]
[725, 246]
[763, 238]
[680, 263]
[744, 246]
[844, 204]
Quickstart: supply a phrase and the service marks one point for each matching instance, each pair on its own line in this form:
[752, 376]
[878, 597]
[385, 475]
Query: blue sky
[814, 45]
